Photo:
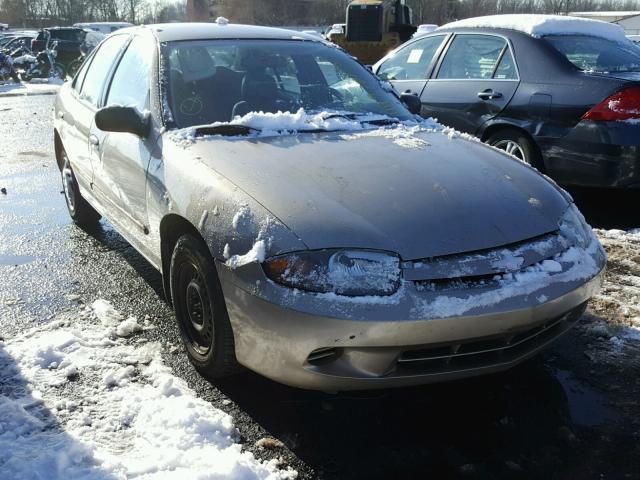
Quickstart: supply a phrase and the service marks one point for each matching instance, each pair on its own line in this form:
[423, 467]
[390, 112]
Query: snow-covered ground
[87, 396]
[34, 87]
[614, 314]
[82, 397]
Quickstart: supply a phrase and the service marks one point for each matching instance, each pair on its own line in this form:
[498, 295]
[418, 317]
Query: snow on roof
[541, 25]
[606, 14]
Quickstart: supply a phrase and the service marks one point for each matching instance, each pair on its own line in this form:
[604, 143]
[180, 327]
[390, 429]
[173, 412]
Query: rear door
[78, 117]
[473, 83]
[89, 100]
[408, 69]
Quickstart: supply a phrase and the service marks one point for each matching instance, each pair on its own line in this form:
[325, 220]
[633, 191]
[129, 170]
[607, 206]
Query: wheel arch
[172, 227]
[494, 128]
[57, 146]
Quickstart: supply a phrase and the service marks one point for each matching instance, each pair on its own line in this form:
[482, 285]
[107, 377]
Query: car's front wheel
[200, 309]
[517, 144]
[80, 211]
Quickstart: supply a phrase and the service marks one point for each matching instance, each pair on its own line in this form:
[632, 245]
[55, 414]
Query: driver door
[122, 158]
[409, 68]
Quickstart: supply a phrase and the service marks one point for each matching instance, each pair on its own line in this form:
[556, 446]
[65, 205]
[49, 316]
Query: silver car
[307, 225]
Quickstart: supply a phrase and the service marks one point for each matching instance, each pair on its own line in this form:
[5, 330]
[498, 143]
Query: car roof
[170, 32]
[63, 28]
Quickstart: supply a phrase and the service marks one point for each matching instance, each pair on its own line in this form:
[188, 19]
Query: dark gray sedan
[561, 93]
[306, 224]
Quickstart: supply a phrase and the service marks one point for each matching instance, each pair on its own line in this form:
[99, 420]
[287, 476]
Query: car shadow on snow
[497, 426]
[33, 444]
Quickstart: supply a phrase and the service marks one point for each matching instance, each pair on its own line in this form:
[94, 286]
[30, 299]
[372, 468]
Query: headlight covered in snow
[574, 228]
[344, 272]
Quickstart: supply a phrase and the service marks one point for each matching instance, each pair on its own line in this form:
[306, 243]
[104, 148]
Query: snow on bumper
[330, 342]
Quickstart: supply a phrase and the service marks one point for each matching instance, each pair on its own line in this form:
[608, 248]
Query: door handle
[93, 140]
[489, 95]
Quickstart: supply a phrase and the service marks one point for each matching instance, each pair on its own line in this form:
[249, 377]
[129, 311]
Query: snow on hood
[79, 402]
[541, 25]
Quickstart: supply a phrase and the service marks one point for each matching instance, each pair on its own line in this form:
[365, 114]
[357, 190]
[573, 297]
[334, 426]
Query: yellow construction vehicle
[374, 27]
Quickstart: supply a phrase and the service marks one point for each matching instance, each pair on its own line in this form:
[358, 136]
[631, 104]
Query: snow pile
[258, 253]
[110, 317]
[78, 402]
[615, 234]
[541, 25]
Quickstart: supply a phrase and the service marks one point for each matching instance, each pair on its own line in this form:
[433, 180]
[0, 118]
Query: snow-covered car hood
[417, 194]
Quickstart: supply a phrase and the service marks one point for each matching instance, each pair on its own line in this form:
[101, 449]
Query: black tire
[517, 144]
[80, 211]
[200, 309]
[73, 68]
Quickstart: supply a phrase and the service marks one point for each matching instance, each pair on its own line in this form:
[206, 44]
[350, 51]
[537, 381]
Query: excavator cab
[374, 27]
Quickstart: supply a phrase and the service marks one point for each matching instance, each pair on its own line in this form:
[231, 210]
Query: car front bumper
[365, 345]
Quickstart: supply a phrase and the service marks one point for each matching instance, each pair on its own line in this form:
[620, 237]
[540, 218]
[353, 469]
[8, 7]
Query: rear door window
[506, 69]
[472, 57]
[101, 64]
[413, 61]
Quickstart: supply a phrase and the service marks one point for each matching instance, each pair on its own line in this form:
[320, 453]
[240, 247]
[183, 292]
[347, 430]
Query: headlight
[345, 272]
[574, 228]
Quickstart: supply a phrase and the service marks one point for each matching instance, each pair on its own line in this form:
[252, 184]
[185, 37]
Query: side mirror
[412, 102]
[123, 119]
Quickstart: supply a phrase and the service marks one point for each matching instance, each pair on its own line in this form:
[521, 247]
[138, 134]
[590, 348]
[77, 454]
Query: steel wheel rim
[68, 185]
[197, 315]
[512, 148]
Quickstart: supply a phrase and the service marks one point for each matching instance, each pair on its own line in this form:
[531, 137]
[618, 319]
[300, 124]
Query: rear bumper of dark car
[597, 154]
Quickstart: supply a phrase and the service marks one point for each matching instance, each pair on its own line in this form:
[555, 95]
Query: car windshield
[209, 81]
[595, 54]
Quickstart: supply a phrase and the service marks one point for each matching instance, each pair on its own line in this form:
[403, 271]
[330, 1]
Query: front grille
[483, 267]
[486, 352]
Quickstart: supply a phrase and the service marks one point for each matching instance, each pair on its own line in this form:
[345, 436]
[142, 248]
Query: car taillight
[624, 105]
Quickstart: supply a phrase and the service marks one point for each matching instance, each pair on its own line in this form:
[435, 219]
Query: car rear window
[71, 35]
[594, 54]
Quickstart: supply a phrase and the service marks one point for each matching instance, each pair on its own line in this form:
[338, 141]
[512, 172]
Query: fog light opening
[322, 356]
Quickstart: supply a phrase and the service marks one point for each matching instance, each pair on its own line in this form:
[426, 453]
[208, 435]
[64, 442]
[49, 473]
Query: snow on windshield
[542, 25]
[266, 124]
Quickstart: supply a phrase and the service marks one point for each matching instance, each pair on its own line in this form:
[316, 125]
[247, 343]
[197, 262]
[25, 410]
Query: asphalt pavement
[552, 417]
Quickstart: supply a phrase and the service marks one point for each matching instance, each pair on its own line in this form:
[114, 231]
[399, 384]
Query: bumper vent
[322, 356]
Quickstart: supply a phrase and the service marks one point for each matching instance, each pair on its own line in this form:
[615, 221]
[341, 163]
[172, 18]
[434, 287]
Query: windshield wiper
[355, 116]
[227, 130]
